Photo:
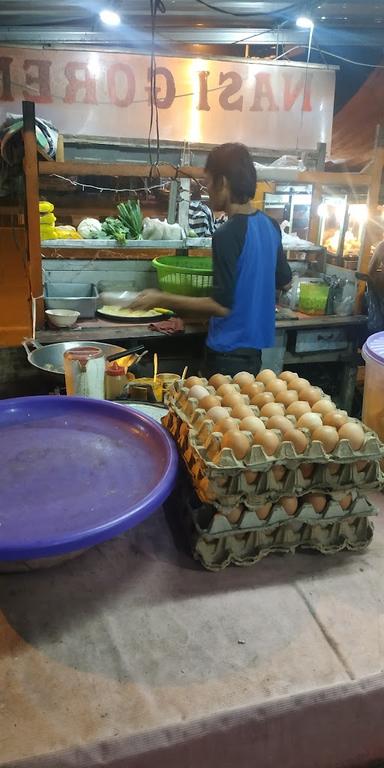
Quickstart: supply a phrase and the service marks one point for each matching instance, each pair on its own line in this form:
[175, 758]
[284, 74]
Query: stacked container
[266, 479]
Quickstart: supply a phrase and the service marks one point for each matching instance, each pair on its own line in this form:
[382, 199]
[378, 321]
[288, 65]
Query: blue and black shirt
[248, 266]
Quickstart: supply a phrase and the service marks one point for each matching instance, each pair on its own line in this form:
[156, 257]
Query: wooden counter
[300, 341]
[102, 330]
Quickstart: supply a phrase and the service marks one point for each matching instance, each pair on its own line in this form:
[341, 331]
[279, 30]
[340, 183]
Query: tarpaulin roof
[354, 127]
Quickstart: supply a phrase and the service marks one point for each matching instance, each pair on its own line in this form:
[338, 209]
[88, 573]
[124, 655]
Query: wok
[50, 358]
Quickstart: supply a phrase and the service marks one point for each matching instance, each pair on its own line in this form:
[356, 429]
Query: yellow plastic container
[373, 401]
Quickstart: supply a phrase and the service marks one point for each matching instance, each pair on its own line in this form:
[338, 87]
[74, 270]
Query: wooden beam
[75, 168]
[327, 178]
[166, 170]
[32, 216]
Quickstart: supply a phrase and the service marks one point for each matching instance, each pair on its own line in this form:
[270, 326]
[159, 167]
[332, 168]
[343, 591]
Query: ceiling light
[304, 22]
[110, 17]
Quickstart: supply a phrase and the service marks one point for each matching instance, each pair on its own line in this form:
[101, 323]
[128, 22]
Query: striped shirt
[200, 219]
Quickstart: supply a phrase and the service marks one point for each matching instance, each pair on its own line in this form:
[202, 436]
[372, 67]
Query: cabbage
[89, 229]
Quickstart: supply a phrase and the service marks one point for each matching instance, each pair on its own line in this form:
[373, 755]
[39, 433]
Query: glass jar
[84, 369]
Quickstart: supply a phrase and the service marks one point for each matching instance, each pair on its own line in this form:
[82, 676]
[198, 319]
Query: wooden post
[32, 216]
[373, 230]
[314, 219]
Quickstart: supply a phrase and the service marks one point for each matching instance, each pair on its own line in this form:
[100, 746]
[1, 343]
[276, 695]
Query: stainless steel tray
[79, 296]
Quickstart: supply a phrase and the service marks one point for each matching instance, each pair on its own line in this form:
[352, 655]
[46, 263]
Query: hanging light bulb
[304, 22]
[110, 17]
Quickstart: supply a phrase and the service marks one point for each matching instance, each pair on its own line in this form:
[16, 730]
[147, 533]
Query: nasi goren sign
[203, 101]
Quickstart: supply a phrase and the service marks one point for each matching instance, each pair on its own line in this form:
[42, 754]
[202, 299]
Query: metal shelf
[189, 242]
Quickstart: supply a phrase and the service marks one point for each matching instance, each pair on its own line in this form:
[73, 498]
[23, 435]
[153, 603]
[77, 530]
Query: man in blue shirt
[248, 266]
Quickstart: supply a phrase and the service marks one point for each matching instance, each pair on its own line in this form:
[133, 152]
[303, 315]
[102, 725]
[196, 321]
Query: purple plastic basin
[75, 472]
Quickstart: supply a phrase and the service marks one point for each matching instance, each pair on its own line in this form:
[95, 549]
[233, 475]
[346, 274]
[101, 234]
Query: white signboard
[277, 106]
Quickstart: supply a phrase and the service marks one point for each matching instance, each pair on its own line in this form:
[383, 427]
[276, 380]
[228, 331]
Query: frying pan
[50, 358]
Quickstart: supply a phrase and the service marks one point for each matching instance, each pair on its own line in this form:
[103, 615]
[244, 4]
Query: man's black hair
[235, 163]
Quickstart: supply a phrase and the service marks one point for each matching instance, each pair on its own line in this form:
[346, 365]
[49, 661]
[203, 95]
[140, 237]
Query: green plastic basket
[313, 298]
[185, 275]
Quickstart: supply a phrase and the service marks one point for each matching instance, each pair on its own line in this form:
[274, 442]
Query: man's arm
[183, 305]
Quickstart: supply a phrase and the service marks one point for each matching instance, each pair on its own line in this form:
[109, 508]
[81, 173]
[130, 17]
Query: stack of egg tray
[250, 487]
[216, 544]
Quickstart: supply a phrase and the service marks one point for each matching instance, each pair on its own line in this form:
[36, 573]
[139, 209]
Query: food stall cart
[336, 338]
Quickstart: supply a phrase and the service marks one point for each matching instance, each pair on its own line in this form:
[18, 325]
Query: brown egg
[307, 470]
[263, 511]
[238, 442]
[310, 421]
[324, 406]
[346, 501]
[217, 413]
[310, 394]
[266, 375]
[287, 376]
[241, 411]
[221, 481]
[270, 442]
[227, 389]
[354, 433]
[217, 380]
[262, 398]
[287, 397]
[298, 409]
[328, 436]
[272, 409]
[225, 425]
[279, 472]
[251, 477]
[335, 418]
[297, 438]
[209, 401]
[361, 465]
[317, 500]
[289, 504]
[243, 378]
[252, 389]
[297, 384]
[198, 392]
[279, 422]
[235, 514]
[192, 381]
[333, 467]
[252, 424]
[275, 386]
[230, 399]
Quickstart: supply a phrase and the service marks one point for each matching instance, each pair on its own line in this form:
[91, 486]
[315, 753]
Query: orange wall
[15, 312]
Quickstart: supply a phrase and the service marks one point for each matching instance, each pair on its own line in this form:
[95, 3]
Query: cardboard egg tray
[360, 505]
[217, 544]
[232, 481]
[206, 449]
[240, 490]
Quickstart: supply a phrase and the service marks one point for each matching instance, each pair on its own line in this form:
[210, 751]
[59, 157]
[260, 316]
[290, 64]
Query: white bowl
[62, 318]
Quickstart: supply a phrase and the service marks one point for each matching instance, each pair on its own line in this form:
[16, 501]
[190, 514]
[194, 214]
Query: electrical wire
[107, 189]
[247, 15]
[328, 53]
[156, 6]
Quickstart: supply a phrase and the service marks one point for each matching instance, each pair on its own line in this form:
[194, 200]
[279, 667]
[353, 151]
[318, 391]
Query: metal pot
[50, 358]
